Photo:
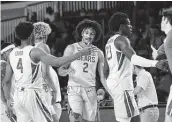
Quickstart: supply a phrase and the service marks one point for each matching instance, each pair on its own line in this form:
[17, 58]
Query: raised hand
[154, 52]
[9, 110]
[54, 97]
[163, 65]
[88, 50]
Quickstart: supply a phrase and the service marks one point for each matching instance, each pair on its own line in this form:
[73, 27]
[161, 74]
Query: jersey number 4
[108, 52]
[19, 65]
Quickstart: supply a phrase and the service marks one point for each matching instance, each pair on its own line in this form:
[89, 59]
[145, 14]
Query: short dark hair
[116, 20]
[168, 14]
[24, 30]
[86, 23]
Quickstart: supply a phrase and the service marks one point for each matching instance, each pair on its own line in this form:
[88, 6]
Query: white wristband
[143, 62]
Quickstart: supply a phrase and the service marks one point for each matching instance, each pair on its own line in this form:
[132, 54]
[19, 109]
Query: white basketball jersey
[120, 67]
[26, 72]
[84, 69]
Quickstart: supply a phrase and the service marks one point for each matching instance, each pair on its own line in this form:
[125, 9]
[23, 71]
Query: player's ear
[82, 33]
[121, 27]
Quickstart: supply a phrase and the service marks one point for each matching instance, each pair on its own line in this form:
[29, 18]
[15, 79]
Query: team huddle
[30, 90]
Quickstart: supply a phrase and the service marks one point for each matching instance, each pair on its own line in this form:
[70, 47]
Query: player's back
[84, 68]
[26, 72]
[120, 67]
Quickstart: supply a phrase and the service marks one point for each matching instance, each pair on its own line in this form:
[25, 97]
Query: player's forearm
[137, 90]
[143, 62]
[168, 52]
[2, 96]
[49, 81]
[57, 62]
[7, 90]
[103, 81]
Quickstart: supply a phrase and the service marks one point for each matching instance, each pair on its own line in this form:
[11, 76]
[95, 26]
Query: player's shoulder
[71, 46]
[45, 47]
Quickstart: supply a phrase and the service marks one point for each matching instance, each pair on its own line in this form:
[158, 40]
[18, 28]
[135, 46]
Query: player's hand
[54, 97]
[88, 50]
[9, 110]
[154, 52]
[163, 65]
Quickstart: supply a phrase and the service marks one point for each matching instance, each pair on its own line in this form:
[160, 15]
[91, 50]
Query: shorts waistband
[148, 106]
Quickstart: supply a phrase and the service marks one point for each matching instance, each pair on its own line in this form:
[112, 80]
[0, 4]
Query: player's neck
[84, 44]
[39, 40]
[24, 43]
[121, 33]
[168, 29]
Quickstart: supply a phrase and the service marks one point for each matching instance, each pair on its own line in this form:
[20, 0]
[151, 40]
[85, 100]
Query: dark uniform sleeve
[168, 49]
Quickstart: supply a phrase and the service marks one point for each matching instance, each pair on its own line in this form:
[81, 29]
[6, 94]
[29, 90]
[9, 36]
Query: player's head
[41, 31]
[88, 31]
[166, 21]
[119, 22]
[137, 69]
[24, 31]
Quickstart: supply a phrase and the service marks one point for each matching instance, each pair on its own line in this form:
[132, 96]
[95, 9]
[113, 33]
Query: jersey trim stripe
[128, 104]
[35, 71]
[169, 109]
[118, 56]
[43, 108]
[121, 61]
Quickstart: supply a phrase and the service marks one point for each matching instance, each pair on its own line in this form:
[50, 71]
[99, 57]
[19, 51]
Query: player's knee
[76, 115]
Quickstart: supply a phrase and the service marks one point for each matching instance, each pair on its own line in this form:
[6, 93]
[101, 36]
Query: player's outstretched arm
[45, 69]
[64, 70]
[101, 68]
[37, 55]
[3, 71]
[6, 86]
[122, 44]
[6, 82]
[168, 49]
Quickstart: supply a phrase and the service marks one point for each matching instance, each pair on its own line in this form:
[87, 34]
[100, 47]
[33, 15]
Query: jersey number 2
[86, 66]
[19, 65]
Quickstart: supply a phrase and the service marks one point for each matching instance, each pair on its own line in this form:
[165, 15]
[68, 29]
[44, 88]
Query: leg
[37, 107]
[20, 111]
[90, 104]
[150, 115]
[125, 106]
[75, 104]
[168, 118]
[168, 115]
[58, 110]
[123, 119]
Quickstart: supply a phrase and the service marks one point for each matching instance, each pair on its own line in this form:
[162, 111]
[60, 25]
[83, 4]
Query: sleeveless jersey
[84, 68]
[26, 72]
[120, 67]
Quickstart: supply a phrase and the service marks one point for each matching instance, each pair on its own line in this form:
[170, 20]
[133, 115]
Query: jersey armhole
[115, 45]
[31, 59]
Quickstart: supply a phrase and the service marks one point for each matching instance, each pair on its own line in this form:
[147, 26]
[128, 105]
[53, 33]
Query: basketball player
[120, 58]
[82, 96]
[166, 26]
[41, 32]
[3, 62]
[24, 62]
